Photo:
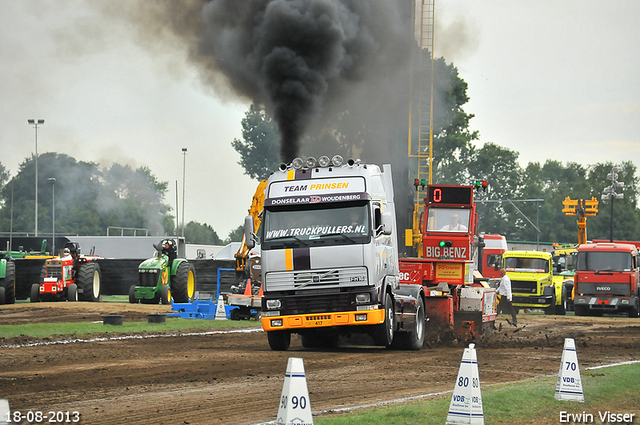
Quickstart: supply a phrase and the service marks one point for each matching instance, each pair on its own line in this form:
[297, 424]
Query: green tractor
[7, 280]
[164, 277]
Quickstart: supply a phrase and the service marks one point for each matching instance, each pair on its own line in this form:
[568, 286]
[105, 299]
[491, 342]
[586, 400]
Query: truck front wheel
[279, 340]
[561, 309]
[633, 312]
[412, 340]
[383, 333]
[581, 310]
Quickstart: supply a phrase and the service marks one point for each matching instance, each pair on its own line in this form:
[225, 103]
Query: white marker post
[569, 385]
[5, 412]
[466, 401]
[221, 314]
[295, 407]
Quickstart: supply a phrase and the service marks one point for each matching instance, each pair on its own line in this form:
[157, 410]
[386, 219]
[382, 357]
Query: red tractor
[71, 277]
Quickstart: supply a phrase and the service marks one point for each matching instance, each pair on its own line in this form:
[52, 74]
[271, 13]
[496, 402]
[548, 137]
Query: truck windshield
[448, 220]
[604, 261]
[318, 224]
[526, 265]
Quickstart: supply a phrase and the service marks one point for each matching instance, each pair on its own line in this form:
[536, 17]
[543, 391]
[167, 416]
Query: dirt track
[234, 378]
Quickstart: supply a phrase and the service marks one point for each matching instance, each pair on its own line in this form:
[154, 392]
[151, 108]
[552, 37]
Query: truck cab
[606, 279]
[494, 247]
[330, 257]
[532, 284]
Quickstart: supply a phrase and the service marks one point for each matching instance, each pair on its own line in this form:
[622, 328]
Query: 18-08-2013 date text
[42, 417]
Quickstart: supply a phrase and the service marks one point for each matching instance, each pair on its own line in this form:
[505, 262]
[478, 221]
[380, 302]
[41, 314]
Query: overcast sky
[551, 79]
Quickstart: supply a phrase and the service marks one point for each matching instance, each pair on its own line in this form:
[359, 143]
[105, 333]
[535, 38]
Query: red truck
[454, 297]
[606, 279]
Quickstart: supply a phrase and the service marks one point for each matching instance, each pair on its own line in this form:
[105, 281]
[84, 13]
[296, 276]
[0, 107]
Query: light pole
[609, 192]
[52, 181]
[36, 123]
[184, 163]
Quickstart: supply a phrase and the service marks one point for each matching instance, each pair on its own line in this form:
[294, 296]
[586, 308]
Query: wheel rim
[191, 284]
[390, 317]
[96, 284]
[419, 323]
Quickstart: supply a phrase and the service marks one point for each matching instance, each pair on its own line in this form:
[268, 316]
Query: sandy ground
[234, 378]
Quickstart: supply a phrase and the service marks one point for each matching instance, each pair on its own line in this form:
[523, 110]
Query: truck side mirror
[249, 237]
[386, 223]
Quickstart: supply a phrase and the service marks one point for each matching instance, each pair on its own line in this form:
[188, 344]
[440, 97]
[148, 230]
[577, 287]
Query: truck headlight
[276, 323]
[363, 298]
[273, 304]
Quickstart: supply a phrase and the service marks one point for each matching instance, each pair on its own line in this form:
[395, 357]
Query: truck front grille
[318, 303]
[316, 279]
[524, 286]
[147, 279]
[593, 288]
[54, 271]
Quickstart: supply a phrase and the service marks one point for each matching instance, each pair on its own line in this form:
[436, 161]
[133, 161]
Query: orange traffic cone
[247, 288]
[261, 293]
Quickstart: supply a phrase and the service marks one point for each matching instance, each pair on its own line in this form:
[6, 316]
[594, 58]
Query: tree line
[374, 128]
[89, 199]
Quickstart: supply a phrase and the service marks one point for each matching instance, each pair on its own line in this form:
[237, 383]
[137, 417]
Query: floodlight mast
[36, 123]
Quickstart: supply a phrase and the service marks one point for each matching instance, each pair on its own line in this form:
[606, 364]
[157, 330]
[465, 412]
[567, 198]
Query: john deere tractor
[164, 277]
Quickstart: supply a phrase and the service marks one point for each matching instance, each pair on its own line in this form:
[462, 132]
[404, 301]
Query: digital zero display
[450, 195]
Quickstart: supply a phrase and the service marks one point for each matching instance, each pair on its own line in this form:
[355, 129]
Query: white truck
[330, 257]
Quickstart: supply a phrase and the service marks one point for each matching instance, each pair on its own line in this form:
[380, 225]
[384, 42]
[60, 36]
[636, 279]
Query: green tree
[626, 216]
[235, 235]
[204, 234]
[260, 145]
[452, 138]
[87, 199]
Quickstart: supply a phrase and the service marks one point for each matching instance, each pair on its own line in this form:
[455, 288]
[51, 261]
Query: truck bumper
[607, 303]
[323, 320]
[533, 301]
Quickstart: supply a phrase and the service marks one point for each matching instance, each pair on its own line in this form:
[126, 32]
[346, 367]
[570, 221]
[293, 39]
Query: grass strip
[611, 389]
[44, 330]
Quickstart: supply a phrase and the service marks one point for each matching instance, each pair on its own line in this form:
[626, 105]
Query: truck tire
[183, 283]
[561, 309]
[2, 295]
[35, 293]
[384, 332]
[89, 281]
[72, 292]
[132, 295]
[412, 340]
[165, 295]
[552, 308]
[9, 284]
[633, 312]
[279, 340]
[581, 310]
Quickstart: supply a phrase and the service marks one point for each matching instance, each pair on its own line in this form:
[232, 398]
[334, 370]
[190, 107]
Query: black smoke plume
[296, 57]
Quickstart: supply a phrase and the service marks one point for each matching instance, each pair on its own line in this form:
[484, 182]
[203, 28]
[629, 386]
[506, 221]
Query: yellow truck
[532, 281]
